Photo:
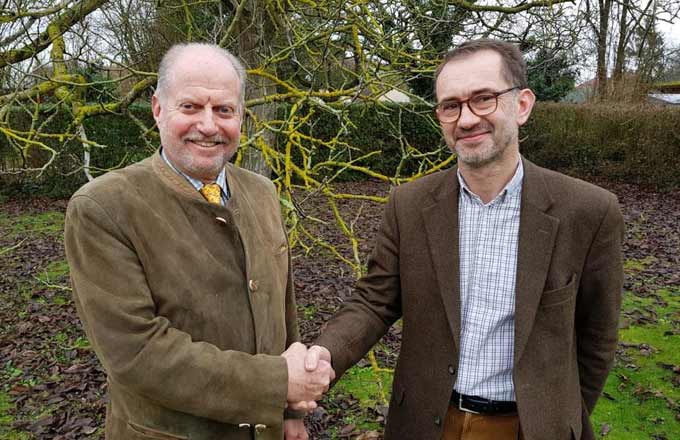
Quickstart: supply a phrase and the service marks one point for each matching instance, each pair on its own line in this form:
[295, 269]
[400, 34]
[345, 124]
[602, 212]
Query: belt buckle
[460, 406]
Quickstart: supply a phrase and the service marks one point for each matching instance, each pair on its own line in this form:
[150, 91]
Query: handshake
[309, 375]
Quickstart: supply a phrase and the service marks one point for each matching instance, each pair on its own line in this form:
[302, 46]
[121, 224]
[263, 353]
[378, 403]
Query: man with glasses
[507, 276]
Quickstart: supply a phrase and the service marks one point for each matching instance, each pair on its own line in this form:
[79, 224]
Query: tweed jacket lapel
[172, 179]
[537, 232]
[440, 216]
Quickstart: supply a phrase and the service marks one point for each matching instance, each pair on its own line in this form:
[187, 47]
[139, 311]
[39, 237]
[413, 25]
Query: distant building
[582, 93]
[665, 94]
[395, 95]
[664, 99]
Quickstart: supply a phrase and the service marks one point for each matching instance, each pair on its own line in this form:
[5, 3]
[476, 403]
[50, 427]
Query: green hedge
[632, 144]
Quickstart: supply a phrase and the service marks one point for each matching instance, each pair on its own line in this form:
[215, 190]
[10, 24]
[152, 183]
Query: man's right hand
[309, 374]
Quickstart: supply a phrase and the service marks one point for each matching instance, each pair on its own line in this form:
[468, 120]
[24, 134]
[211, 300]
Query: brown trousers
[461, 425]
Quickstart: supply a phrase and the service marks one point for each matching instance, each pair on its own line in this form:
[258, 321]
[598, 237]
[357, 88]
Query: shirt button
[221, 220]
[452, 370]
[260, 427]
[244, 425]
[252, 285]
[437, 420]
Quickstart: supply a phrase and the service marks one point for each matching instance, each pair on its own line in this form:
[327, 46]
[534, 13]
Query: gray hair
[171, 56]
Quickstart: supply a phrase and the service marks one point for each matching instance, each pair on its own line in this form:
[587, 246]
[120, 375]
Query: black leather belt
[480, 405]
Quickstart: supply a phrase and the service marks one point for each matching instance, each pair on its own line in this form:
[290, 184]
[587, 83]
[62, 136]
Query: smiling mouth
[472, 137]
[205, 144]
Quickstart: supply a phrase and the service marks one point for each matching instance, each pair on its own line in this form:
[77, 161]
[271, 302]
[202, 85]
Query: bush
[64, 176]
[634, 144]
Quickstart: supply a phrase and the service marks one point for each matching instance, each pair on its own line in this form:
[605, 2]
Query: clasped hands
[309, 375]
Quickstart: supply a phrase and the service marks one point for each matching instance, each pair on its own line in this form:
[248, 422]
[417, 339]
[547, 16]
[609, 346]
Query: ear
[525, 105]
[156, 108]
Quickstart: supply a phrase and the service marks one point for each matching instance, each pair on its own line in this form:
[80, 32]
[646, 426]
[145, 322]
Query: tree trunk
[256, 34]
[621, 46]
[605, 9]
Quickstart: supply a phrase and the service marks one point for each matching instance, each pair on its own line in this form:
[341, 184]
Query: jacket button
[221, 220]
[437, 420]
[252, 285]
[244, 425]
[260, 427]
[452, 370]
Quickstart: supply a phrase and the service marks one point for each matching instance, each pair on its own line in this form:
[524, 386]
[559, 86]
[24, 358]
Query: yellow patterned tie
[212, 193]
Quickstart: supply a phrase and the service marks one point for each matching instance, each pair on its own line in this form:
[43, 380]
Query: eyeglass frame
[467, 101]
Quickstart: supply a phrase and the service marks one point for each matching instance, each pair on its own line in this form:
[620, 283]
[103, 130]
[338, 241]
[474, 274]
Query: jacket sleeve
[141, 350]
[375, 304]
[292, 330]
[599, 304]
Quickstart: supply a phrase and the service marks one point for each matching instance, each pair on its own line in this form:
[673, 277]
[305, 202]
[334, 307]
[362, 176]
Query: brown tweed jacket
[568, 296]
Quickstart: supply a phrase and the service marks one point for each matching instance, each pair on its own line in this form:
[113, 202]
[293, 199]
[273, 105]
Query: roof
[665, 98]
[672, 87]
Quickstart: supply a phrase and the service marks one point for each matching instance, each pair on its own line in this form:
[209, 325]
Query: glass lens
[483, 103]
[449, 109]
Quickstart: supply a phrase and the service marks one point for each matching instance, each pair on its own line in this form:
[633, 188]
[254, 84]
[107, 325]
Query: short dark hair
[514, 67]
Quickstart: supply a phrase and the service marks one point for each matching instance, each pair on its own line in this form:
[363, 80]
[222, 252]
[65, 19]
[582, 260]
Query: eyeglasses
[481, 104]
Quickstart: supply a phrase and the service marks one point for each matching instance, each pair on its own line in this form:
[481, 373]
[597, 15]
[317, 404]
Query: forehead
[477, 72]
[207, 73]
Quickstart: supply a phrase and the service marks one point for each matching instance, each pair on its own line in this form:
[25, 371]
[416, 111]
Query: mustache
[473, 131]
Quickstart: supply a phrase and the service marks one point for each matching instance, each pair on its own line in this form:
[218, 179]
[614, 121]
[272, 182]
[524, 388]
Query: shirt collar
[513, 187]
[197, 184]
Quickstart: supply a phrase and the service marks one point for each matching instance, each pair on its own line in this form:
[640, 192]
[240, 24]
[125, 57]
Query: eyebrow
[474, 92]
[193, 99]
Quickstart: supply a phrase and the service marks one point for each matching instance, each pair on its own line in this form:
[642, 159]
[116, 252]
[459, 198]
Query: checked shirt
[489, 235]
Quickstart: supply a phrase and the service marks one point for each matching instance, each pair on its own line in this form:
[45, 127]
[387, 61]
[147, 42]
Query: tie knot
[212, 193]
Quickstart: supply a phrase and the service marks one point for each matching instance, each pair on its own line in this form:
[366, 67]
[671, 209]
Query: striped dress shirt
[488, 240]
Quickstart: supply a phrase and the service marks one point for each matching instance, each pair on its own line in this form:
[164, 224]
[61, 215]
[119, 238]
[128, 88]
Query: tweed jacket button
[221, 220]
[452, 370]
[244, 425]
[252, 285]
[260, 427]
[437, 420]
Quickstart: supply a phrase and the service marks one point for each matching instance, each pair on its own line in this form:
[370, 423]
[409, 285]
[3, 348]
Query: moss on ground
[56, 270]
[371, 390]
[48, 223]
[641, 400]
[6, 420]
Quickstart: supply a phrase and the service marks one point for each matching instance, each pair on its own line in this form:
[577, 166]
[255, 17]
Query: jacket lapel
[440, 216]
[537, 232]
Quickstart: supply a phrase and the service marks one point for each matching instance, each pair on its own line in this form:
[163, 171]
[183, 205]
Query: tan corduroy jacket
[568, 296]
[187, 304]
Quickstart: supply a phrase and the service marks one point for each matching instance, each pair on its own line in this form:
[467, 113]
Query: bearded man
[508, 277]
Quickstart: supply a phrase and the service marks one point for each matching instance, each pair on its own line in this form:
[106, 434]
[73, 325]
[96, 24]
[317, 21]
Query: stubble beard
[492, 150]
[208, 170]
[198, 168]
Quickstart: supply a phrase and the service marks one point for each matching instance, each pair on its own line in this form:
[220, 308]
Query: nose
[206, 125]
[467, 119]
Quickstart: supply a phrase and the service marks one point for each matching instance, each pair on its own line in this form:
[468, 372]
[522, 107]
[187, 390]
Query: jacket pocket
[139, 432]
[558, 296]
